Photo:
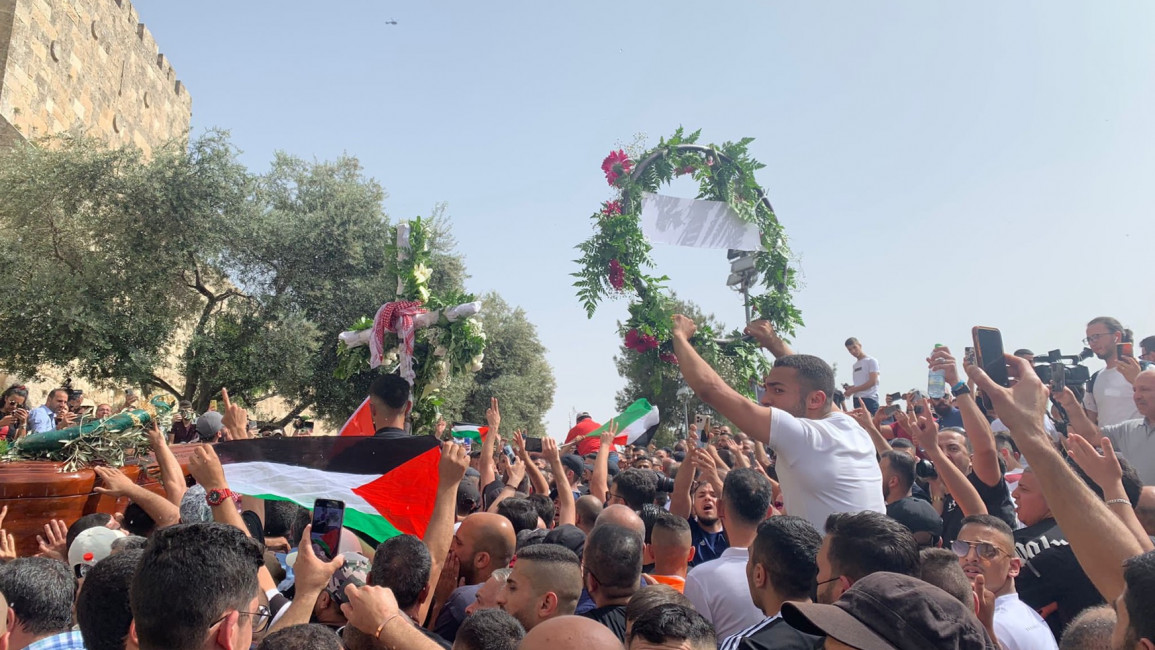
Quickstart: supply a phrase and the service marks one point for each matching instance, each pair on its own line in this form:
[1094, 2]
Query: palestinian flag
[360, 423]
[474, 432]
[388, 486]
[636, 425]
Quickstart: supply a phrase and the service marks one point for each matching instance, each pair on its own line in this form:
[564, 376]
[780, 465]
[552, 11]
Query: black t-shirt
[390, 433]
[611, 616]
[707, 546]
[997, 499]
[779, 635]
[1051, 579]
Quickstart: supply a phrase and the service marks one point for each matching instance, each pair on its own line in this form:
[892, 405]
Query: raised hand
[440, 427]
[7, 546]
[454, 462]
[684, 328]
[941, 359]
[370, 608]
[54, 543]
[516, 472]
[235, 419]
[863, 417]
[311, 572]
[519, 445]
[205, 467]
[1104, 468]
[611, 432]
[493, 416]
[1021, 407]
[115, 482]
[1129, 367]
[549, 450]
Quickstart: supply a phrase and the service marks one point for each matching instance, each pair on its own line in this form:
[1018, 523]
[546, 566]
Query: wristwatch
[216, 497]
[960, 388]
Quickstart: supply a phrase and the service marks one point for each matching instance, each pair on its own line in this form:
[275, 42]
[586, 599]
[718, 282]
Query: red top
[585, 445]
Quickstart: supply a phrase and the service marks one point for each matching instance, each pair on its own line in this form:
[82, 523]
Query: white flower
[421, 273]
[440, 351]
[475, 363]
[422, 293]
[391, 357]
[430, 388]
[481, 335]
[441, 369]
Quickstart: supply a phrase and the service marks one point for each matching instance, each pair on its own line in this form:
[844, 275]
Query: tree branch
[297, 410]
[167, 386]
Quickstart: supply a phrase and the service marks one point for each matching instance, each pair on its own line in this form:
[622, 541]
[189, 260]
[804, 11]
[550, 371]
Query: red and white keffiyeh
[397, 317]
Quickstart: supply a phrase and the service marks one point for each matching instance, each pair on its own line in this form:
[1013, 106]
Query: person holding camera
[1108, 397]
[13, 414]
[53, 414]
[184, 425]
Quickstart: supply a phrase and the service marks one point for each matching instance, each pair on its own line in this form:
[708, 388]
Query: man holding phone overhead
[1108, 397]
[826, 461]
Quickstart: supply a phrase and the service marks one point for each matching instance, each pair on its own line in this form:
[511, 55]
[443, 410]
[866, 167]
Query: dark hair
[549, 553]
[646, 599]
[813, 373]
[1112, 324]
[1139, 574]
[402, 563]
[613, 555]
[636, 486]
[520, 512]
[199, 570]
[93, 520]
[673, 523]
[40, 591]
[489, 629]
[747, 494]
[279, 517]
[649, 515]
[102, 608]
[53, 392]
[850, 341]
[902, 465]
[560, 572]
[940, 567]
[867, 542]
[19, 390]
[129, 543]
[393, 390]
[1147, 344]
[787, 547]
[674, 623]
[468, 496]
[901, 443]
[544, 506]
[305, 636]
[1003, 440]
[994, 523]
[137, 521]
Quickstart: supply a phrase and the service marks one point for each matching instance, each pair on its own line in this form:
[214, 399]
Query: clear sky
[936, 165]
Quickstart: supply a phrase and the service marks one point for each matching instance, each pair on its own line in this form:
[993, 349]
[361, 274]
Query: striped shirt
[732, 641]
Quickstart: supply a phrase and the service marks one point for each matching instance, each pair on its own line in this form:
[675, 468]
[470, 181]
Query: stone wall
[87, 66]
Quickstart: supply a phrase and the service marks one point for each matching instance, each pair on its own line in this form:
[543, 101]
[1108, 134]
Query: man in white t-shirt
[865, 377]
[986, 546]
[826, 461]
[1109, 400]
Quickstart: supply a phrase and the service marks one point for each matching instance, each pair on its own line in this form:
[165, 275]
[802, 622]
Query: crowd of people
[1010, 516]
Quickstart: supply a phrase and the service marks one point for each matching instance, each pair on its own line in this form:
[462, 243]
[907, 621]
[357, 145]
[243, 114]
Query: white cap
[91, 546]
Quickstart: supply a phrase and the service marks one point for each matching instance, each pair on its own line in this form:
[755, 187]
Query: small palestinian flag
[388, 486]
[636, 425]
[360, 423]
[474, 432]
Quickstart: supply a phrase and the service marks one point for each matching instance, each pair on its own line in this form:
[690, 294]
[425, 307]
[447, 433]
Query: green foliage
[658, 381]
[724, 173]
[515, 371]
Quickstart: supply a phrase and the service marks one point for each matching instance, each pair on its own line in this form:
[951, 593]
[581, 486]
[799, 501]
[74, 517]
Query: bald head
[1090, 630]
[620, 515]
[570, 633]
[484, 542]
[588, 508]
[1144, 394]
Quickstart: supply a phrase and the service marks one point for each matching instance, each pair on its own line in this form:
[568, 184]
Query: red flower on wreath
[639, 342]
[616, 165]
[617, 275]
[611, 208]
[668, 357]
[688, 169]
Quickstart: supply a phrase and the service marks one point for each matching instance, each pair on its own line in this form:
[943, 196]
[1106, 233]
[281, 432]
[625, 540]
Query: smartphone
[533, 444]
[1058, 378]
[1124, 349]
[328, 517]
[894, 397]
[890, 410]
[703, 422]
[858, 402]
[969, 356]
[508, 451]
[989, 354]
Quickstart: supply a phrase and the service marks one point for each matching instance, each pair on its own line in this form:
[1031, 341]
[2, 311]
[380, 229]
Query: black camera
[1073, 373]
[664, 483]
[925, 469]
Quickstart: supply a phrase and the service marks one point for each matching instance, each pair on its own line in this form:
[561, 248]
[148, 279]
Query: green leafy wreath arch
[616, 260]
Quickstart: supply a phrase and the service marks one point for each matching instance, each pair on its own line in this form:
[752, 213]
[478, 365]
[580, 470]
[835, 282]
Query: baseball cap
[918, 516]
[355, 571]
[569, 536]
[584, 415]
[209, 424]
[574, 463]
[889, 611]
[91, 546]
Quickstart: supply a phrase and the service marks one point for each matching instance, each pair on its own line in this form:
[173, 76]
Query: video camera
[1055, 365]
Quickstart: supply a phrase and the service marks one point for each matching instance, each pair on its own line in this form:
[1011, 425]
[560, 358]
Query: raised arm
[1078, 422]
[985, 459]
[1100, 541]
[116, 484]
[965, 494]
[763, 332]
[862, 416]
[748, 416]
[171, 475]
[566, 506]
[439, 532]
[681, 501]
[599, 477]
[536, 478]
[1105, 470]
[493, 418]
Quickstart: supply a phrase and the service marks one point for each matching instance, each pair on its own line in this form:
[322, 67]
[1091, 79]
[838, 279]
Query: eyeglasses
[1095, 337]
[611, 495]
[985, 550]
[822, 582]
[262, 618]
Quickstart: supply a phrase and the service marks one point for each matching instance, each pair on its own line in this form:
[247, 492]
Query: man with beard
[826, 461]
[948, 414]
[1132, 438]
[483, 543]
[1108, 397]
[700, 506]
[916, 514]
[985, 548]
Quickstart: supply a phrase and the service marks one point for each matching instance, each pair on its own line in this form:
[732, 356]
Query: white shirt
[825, 466]
[862, 370]
[719, 591]
[1112, 398]
[1019, 627]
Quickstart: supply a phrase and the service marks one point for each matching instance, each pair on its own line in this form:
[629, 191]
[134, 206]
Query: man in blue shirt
[948, 414]
[54, 414]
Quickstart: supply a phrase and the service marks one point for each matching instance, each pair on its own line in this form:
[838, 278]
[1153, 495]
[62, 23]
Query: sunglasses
[985, 550]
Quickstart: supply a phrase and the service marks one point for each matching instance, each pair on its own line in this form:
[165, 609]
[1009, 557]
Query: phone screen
[1125, 349]
[1058, 378]
[328, 517]
[990, 356]
[533, 444]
